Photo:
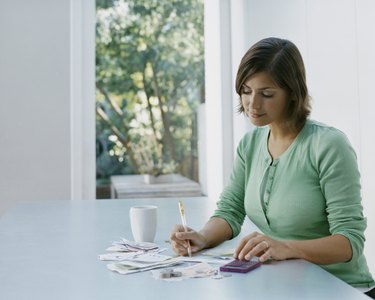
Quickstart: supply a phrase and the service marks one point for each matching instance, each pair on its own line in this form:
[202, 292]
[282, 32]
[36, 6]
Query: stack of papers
[129, 267]
[129, 250]
[132, 257]
[125, 245]
[128, 257]
[219, 253]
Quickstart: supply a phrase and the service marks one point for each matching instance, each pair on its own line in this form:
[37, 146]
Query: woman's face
[263, 101]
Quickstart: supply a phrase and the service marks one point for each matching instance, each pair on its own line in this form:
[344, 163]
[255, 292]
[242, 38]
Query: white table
[49, 250]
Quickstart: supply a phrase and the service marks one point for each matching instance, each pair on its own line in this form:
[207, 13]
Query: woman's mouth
[256, 115]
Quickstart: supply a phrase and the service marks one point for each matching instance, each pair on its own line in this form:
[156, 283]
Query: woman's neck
[280, 138]
[283, 133]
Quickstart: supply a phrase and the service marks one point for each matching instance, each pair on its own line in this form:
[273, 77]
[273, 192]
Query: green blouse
[311, 191]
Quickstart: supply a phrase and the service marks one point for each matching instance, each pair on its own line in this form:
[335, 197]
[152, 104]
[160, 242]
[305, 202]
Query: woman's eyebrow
[261, 89]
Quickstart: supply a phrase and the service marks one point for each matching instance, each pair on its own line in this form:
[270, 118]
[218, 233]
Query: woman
[296, 179]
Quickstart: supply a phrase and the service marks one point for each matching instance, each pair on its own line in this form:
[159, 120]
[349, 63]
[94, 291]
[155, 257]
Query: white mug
[143, 221]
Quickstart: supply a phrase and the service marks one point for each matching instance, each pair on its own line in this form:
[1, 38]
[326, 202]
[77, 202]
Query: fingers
[179, 234]
[257, 250]
[180, 250]
[179, 246]
[243, 243]
[254, 244]
[179, 238]
[266, 256]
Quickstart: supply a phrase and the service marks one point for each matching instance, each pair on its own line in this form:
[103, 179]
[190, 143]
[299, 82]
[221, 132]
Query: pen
[183, 219]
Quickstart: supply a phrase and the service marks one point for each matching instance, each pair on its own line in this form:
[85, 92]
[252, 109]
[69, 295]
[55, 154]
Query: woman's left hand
[256, 244]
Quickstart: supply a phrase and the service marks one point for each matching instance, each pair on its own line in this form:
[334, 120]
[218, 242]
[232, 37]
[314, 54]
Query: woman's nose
[255, 102]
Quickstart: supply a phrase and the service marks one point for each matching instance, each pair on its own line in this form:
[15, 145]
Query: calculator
[240, 266]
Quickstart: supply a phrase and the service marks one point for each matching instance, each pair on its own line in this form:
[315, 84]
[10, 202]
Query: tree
[150, 81]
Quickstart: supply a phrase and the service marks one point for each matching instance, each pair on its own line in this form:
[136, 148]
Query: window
[149, 84]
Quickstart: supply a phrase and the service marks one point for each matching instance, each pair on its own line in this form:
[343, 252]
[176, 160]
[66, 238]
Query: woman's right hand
[179, 238]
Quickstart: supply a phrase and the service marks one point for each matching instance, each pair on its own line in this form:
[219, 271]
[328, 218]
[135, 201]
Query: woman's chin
[259, 122]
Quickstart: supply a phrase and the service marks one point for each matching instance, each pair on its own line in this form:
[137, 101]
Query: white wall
[365, 16]
[337, 41]
[36, 89]
[218, 155]
[82, 99]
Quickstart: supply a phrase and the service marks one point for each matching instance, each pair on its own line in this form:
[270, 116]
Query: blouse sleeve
[230, 207]
[340, 183]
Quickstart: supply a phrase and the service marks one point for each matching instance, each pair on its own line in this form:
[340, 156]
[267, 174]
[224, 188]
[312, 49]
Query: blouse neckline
[294, 144]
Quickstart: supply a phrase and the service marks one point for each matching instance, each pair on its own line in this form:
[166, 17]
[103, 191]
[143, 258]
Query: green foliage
[150, 81]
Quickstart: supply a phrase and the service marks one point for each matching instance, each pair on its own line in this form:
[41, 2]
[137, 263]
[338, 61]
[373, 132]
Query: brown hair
[283, 62]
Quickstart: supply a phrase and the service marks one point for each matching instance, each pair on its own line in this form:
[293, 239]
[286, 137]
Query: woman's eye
[246, 91]
[267, 95]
